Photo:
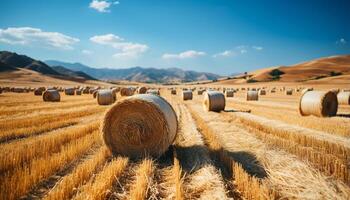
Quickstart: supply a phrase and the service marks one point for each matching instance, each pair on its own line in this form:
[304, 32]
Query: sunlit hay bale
[78, 91]
[229, 93]
[173, 91]
[51, 95]
[38, 92]
[69, 91]
[262, 92]
[127, 91]
[86, 90]
[335, 90]
[252, 96]
[200, 92]
[91, 90]
[115, 91]
[344, 98]
[306, 90]
[94, 94]
[140, 125]
[153, 91]
[289, 92]
[141, 90]
[186, 95]
[105, 97]
[273, 90]
[214, 101]
[318, 103]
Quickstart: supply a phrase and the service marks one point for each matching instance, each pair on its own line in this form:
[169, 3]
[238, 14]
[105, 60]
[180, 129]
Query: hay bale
[51, 95]
[252, 96]
[343, 98]
[186, 95]
[318, 103]
[214, 101]
[153, 91]
[105, 97]
[262, 92]
[289, 92]
[18, 90]
[128, 91]
[141, 90]
[69, 91]
[173, 91]
[229, 93]
[200, 92]
[94, 94]
[86, 90]
[79, 91]
[38, 92]
[140, 125]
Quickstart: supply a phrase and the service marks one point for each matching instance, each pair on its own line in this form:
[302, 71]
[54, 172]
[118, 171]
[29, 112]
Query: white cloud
[86, 52]
[102, 5]
[184, 55]
[227, 53]
[341, 41]
[258, 48]
[127, 49]
[35, 36]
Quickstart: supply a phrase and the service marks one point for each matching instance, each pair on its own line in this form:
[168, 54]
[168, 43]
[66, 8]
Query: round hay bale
[318, 103]
[141, 90]
[78, 92]
[153, 91]
[94, 94]
[173, 91]
[252, 95]
[69, 91]
[38, 92]
[186, 95]
[200, 92]
[114, 91]
[344, 98]
[51, 95]
[229, 93]
[86, 90]
[214, 101]
[105, 97]
[140, 125]
[128, 91]
[262, 92]
[289, 92]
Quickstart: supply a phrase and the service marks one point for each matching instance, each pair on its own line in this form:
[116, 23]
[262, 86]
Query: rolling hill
[138, 74]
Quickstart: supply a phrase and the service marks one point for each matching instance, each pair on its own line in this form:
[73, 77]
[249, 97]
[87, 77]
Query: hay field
[253, 150]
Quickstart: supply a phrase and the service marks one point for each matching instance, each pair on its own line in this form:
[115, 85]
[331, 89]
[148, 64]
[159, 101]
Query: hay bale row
[127, 91]
[252, 95]
[173, 91]
[51, 95]
[187, 95]
[214, 101]
[289, 92]
[229, 93]
[78, 91]
[153, 91]
[343, 98]
[141, 90]
[140, 125]
[318, 103]
[262, 92]
[105, 97]
[69, 91]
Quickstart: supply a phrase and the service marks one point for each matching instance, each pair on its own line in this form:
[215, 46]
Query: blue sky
[217, 36]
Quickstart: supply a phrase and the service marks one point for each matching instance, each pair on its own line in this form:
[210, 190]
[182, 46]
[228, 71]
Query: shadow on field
[232, 110]
[193, 158]
[343, 115]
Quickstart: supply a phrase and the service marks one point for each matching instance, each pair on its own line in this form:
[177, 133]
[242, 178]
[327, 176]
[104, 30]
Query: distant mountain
[138, 74]
[22, 61]
[68, 72]
[6, 67]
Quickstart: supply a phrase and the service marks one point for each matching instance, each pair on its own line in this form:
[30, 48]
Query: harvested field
[253, 150]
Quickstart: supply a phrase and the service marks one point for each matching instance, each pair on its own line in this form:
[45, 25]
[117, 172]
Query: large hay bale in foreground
[106, 97]
[318, 103]
[187, 95]
[141, 90]
[229, 93]
[214, 101]
[128, 91]
[140, 125]
[51, 95]
[69, 91]
[343, 98]
[252, 96]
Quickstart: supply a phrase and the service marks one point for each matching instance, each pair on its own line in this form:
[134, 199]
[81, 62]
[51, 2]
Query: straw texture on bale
[126, 91]
[69, 91]
[142, 90]
[153, 91]
[106, 97]
[173, 91]
[262, 92]
[51, 95]
[344, 98]
[214, 101]
[252, 96]
[187, 95]
[318, 103]
[140, 125]
[229, 93]
[289, 92]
